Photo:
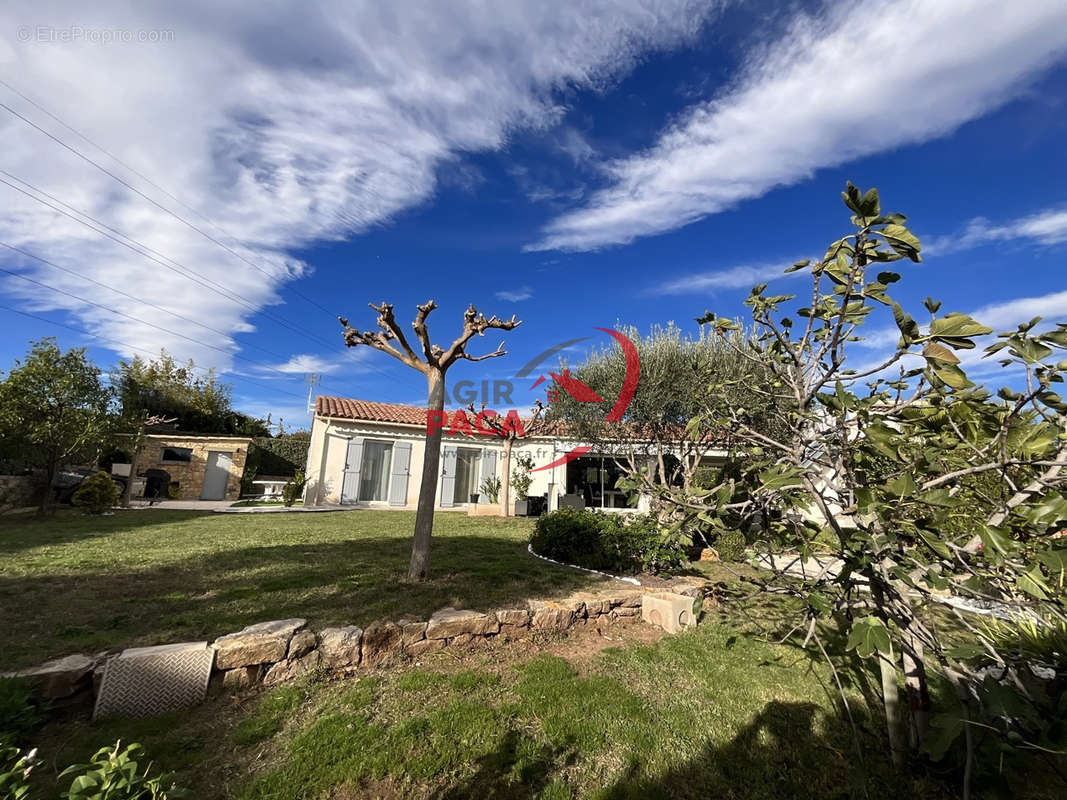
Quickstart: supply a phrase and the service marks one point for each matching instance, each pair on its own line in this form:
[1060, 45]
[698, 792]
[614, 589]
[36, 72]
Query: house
[370, 454]
[191, 466]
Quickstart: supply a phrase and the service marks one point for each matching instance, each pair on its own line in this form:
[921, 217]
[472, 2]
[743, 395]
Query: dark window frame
[174, 451]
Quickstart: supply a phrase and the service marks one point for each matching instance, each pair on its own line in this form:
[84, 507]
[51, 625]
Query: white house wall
[328, 452]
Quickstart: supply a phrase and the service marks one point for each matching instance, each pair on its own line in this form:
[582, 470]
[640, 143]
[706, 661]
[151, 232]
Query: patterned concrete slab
[149, 680]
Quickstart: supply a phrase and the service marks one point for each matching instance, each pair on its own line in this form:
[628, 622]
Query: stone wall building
[203, 466]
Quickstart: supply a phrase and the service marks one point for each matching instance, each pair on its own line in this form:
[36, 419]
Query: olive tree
[672, 426]
[433, 362]
[895, 482]
[53, 404]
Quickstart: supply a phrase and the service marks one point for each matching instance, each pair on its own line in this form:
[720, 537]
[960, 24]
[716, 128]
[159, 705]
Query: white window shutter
[448, 477]
[398, 479]
[353, 465]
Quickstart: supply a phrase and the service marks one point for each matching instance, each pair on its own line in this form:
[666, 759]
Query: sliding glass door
[468, 462]
[374, 479]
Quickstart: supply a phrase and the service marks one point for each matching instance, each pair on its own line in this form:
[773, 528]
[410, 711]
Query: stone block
[292, 668]
[262, 643]
[460, 640]
[302, 643]
[549, 616]
[425, 646]
[670, 611]
[61, 677]
[235, 680]
[449, 622]
[340, 647]
[381, 641]
[513, 619]
[412, 632]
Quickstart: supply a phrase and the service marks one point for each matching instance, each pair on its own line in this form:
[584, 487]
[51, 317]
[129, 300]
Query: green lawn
[77, 583]
[719, 711]
[716, 712]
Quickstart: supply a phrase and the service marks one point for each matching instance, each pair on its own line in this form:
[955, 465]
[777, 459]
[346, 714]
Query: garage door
[216, 476]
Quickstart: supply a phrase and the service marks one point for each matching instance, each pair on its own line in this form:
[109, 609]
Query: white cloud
[515, 295]
[1006, 316]
[1044, 228]
[283, 123]
[741, 277]
[863, 78]
[304, 362]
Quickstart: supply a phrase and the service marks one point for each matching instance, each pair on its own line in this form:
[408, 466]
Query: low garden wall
[270, 653]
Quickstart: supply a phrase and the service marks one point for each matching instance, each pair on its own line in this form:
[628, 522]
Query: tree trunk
[431, 462]
[505, 482]
[891, 701]
[49, 478]
[918, 694]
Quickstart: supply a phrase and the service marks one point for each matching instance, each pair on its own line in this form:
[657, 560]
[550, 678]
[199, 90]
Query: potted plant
[474, 497]
[491, 488]
[520, 482]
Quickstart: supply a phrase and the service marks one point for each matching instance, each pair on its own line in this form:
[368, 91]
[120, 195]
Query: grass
[708, 713]
[718, 711]
[77, 583]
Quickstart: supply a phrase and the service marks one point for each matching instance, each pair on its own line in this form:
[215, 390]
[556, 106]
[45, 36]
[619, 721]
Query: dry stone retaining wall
[273, 652]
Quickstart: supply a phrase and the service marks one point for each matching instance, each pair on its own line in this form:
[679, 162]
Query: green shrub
[15, 770]
[293, 488]
[730, 546]
[114, 774]
[278, 455]
[96, 494]
[624, 543]
[521, 477]
[491, 487]
[19, 712]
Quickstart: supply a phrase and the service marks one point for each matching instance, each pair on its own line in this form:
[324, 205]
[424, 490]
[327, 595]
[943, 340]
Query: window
[468, 461]
[177, 455]
[374, 477]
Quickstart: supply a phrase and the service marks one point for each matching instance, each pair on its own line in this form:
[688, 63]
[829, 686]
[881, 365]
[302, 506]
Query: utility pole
[311, 379]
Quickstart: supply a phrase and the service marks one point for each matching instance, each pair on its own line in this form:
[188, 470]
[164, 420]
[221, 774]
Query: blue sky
[577, 164]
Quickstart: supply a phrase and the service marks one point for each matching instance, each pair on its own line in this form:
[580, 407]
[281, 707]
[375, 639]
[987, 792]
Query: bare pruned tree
[433, 362]
[535, 425]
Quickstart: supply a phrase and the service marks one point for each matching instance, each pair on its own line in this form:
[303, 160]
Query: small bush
[96, 494]
[15, 768]
[520, 475]
[19, 711]
[293, 488]
[114, 773]
[610, 542]
[731, 546]
[491, 487]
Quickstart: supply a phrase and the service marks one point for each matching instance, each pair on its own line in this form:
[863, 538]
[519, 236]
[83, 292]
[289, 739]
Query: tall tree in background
[673, 422]
[433, 362]
[54, 405]
[163, 387]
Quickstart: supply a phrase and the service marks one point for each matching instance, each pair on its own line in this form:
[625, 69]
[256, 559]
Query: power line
[107, 153]
[189, 273]
[81, 155]
[138, 349]
[139, 320]
[222, 291]
[158, 205]
[83, 277]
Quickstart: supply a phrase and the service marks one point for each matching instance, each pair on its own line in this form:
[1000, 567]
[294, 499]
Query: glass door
[468, 463]
[374, 479]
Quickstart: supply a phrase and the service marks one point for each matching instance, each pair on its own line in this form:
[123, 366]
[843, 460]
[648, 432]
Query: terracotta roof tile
[350, 408]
